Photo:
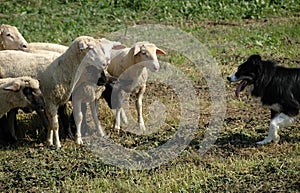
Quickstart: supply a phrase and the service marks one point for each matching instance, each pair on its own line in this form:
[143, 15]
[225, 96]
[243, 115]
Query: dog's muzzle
[232, 78]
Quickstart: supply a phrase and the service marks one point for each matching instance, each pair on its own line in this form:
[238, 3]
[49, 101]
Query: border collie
[276, 86]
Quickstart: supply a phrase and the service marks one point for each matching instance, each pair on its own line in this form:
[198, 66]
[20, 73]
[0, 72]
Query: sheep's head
[107, 46]
[85, 43]
[145, 53]
[31, 91]
[92, 51]
[11, 38]
[33, 94]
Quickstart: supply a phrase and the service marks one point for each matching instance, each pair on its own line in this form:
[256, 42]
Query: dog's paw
[264, 142]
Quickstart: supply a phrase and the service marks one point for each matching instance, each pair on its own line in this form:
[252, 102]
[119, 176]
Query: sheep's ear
[14, 87]
[137, 49]
[160, 51]
[83, 45]
[1, 28]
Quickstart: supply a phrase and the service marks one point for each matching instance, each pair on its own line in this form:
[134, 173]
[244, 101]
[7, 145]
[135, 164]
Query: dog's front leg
[281, 120]
[273, 114]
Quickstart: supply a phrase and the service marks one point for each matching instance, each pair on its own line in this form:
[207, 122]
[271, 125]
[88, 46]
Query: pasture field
[231, 31]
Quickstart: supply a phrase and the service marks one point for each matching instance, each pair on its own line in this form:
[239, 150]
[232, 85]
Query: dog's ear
[255, 59]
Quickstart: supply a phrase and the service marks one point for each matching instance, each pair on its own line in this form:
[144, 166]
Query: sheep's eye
[9, 35]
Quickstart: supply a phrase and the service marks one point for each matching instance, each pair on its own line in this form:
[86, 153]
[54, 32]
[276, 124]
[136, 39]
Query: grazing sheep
[11, 38]
[20, 92]
[84, 91]
[57, 79]
[129, 65]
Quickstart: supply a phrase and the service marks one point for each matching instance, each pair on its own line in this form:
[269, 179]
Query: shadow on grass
[238, 140]
[231, 143]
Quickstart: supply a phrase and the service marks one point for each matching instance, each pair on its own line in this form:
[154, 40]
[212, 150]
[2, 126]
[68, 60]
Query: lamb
[20, 92]
[130, 66]
[57, 78]
[85, 90]
[11, 38]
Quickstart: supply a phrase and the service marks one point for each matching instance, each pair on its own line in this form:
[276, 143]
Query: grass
[231, 30]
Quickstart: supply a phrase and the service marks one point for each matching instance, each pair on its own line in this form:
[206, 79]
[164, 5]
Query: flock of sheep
[45, 76]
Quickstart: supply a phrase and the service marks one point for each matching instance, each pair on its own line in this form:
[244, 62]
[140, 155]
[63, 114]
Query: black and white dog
[278, 87]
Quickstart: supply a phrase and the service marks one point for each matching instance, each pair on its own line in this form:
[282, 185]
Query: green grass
[231, 30]
[62, 21]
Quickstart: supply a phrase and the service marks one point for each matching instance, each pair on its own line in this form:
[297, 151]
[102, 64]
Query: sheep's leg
[123, 116]
[11, 117]
[53, 123]
[50, 130]
[50, 135]
[65, 120]
[44, 118]
[78, 120]
[93, 106]
[117, 118]
[84, 124]
[56, 132]
[139, 106]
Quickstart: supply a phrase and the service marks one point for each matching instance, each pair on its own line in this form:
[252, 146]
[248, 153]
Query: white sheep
[11, 38]
[130, 66]
[57, 79]
[85, 90]
[41, 47]
[86, 86]
[18, 93]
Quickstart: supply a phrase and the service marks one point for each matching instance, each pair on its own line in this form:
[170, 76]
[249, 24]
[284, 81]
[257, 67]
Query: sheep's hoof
[79, 141]
[101, 133]
[142, 127]
[49, 142]
[117, 127]
[58, 145]
[125, 121]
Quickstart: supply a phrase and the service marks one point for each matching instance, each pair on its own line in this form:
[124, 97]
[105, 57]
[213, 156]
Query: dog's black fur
[274, 84]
